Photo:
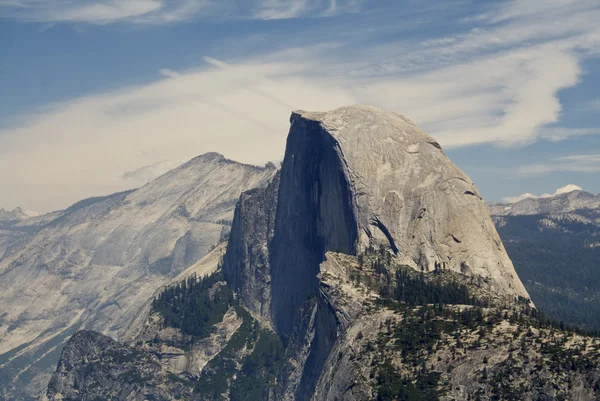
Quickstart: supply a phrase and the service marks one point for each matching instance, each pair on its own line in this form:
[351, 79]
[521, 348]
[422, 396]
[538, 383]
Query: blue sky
[100, 96]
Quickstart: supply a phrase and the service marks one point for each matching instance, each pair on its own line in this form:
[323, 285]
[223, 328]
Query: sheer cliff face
[246, 264]
[97, 263]
[358, 175]
[315, 214]
[352, 178]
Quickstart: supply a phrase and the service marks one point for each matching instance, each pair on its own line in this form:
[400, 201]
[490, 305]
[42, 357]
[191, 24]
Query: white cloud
[577, 163]
[497, 83]
[515, 199]
[557, 134]
[145, 174]
[504, 98]
[286, 9]
[281, 9]
[527, 9]
[168, 73]
[567, 188]
[563, 190]
[99, 13]
[114, 141]
[168, 11]
[95, 12]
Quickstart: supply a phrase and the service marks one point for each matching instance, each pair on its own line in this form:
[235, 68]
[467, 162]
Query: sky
[99, 96]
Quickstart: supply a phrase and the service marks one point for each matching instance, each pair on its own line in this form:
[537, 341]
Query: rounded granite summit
[373, 176]
[355, 120]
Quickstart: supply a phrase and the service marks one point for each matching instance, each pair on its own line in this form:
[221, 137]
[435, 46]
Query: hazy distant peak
[515, 199]
[562, 190]
[211, 156]
[17, 214]
[563, 200]
[568, 188]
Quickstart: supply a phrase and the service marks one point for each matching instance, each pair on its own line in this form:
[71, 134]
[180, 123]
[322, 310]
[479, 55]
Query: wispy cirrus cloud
[167, 72]
[587, 163]
[168, 11]
[286, 9]
[94, 12]
[497, 82]
[144, 127]
[557, 134]
[147, 173]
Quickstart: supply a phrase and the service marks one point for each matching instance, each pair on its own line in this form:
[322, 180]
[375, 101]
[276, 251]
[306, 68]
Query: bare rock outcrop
[246, 264]
[94, 366]
[356, 178]
[97, 263]
[359, 175]
[363, 200]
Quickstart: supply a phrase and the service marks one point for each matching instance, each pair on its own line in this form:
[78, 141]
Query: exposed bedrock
[352, 178]
[246, 264]
[357, 176]
[315, 214]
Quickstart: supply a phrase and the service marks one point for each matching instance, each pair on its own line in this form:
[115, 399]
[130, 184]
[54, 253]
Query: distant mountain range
[9, 217]
[560, 203]
[554, 243]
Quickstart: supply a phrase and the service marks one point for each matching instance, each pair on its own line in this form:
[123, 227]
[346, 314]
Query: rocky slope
[126, 371]
[443, 350]
[97, 264]
[247, 264]
[416, 349]
[10, 229]
[226, 354]
[366, 225]
[358, 176]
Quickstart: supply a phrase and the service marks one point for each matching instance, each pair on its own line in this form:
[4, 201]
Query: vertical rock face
[354, 179]
[316, 213]
[313, 335]
[358, 175]
[246, 264]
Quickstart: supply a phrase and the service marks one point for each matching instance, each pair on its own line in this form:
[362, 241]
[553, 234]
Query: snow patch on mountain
[564, 200]
[562, 190]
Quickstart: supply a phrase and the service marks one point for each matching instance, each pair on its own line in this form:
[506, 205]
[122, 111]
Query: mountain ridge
[13, 216]
[96, 263]
[367, 267]
[364, 204]
[559, 203]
